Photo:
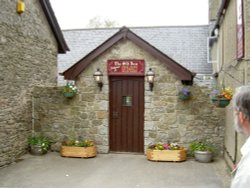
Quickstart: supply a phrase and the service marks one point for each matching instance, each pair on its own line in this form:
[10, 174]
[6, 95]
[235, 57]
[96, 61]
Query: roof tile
[187, 45]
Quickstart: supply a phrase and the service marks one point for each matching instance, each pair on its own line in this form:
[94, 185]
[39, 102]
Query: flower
[184, 93]
[39, 140]
[224, 93]
[165, 146]
[70, 88]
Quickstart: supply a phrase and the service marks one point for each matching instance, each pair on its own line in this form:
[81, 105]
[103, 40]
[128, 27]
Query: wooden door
[126, 114]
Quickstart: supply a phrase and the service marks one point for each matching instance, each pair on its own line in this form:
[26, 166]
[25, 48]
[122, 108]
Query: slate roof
[187, 45]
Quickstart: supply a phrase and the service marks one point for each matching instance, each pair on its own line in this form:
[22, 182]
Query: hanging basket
[221, 103]
[184, 97]
[70, 90]
[184, 93]
[68, 94]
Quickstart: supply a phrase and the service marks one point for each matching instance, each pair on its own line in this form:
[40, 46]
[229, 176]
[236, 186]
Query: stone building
[125, 115]
[29, 44]
[230, 55]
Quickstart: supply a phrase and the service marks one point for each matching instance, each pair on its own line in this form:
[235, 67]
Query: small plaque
[126, 67]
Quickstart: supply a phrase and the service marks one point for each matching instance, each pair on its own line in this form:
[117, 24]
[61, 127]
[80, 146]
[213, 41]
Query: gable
[48, 11]
[125, 34]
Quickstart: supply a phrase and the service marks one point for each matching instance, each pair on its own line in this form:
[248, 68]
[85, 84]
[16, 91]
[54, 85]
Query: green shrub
[39, 140]
[202, 146]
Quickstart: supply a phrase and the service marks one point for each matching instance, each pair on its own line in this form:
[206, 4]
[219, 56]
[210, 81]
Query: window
[126, 101]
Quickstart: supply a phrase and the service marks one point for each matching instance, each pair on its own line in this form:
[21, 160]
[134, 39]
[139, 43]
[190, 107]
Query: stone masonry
[28, 53]
[231, 71]
[29, 97]
[166, 117]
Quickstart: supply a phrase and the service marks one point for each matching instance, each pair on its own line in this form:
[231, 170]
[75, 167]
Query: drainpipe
[220, 15]
[235, 148]
[33, 116]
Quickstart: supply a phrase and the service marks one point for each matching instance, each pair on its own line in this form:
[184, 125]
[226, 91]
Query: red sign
[240, 30]
[126, 67]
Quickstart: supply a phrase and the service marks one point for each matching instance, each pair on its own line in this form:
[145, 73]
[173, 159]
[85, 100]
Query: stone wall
[232, 72]
[166, 117]
[213, 7]
[28, 54]
[246, 10]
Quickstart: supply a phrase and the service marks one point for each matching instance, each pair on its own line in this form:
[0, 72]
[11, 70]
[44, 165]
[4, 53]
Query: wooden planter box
[166, 155]
[73, 151]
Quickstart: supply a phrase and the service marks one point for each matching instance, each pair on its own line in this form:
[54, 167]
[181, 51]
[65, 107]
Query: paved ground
[112, 171]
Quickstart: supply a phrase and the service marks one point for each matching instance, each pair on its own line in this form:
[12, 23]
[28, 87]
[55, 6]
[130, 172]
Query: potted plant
[184, 93]
[166, 152]
[221, 97]
[69, 90]
[78, 148]
[38, 144]
[202, 151]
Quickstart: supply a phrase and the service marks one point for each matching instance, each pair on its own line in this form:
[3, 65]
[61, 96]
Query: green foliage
[39, 140]
[70, 89]
[166, 146]
[81, 143]
[202, 146]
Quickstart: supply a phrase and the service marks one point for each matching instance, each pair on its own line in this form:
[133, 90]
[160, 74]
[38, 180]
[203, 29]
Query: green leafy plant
[202, 146]
[39, 140]
[70, 88]
[225, 93]
[166, 146]
[78, 143]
